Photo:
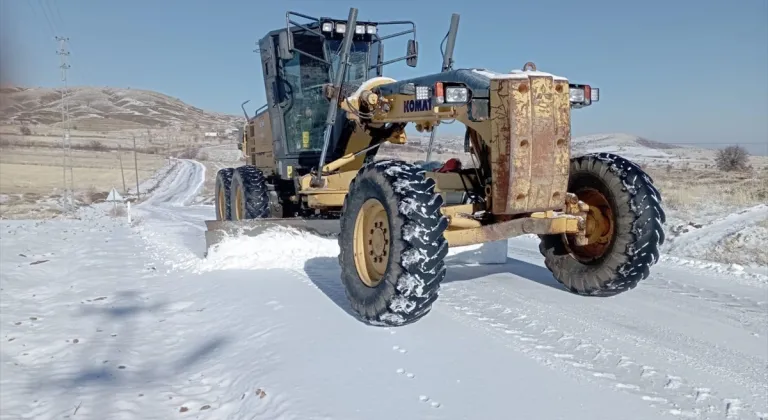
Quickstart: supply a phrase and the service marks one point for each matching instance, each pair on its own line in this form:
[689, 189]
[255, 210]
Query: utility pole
[122, 173]
[65, 141]
[136, 168]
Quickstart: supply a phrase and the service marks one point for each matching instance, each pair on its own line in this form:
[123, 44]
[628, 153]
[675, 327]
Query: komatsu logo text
[417, 105]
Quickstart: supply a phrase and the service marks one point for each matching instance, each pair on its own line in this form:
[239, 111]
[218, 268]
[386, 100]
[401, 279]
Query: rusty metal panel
[562, 161]
[530, 141]
[499, 144]
[521, 146]
[543, 143]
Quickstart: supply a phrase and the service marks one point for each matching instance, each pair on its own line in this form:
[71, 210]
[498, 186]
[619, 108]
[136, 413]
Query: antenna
[451, 43]
[447, 66]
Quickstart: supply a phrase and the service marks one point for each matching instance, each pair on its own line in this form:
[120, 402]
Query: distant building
[212, 134]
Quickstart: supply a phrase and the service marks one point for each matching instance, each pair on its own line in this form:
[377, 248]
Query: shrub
[732, 158]
[96, 146]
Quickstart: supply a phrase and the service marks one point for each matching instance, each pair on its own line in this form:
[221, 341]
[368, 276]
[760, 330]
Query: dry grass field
[31, 178]
[705, 192]
[704, 199]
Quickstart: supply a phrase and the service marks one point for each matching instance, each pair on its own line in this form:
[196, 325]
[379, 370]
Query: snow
[734, 233]
[516, 74]
[697, 241]
[106, 320]
[223, 153]
[624, 144]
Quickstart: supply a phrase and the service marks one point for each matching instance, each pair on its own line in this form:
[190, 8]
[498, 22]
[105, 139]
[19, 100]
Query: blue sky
[685, 71]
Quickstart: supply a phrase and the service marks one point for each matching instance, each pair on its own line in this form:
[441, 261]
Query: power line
[45, 17]
[48, 18]
[58, 15]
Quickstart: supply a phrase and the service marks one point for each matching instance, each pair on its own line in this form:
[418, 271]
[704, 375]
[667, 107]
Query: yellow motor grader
[311, 164]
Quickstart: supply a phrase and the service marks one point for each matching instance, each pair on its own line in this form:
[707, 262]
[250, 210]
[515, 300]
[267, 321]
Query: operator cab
[297, 104]
[301, 81]
[296, 69]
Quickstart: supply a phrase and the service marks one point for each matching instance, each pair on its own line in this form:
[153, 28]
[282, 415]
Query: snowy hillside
[105, 109]
[633, 147]
[102, 319]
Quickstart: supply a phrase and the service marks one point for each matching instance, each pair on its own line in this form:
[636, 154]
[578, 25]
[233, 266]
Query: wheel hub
[238, 204]
[378, 243]
[372, 242]
[600, 227]
[222, 205]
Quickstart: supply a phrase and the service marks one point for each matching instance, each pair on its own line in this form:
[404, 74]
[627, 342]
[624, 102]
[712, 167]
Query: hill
[106, 110]
[636, 148]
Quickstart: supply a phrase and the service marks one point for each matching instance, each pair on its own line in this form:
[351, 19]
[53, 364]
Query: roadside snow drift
[103, 320]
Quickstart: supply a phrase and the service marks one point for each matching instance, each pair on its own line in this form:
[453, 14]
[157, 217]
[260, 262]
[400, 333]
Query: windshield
[358, 61]
[306, 111]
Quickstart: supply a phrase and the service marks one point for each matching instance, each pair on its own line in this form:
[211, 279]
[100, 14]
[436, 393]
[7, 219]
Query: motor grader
[311, 164]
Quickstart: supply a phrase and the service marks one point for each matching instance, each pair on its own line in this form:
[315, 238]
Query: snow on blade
[278, 247]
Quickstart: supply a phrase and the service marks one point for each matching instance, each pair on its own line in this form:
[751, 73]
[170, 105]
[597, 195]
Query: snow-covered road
[132, 322]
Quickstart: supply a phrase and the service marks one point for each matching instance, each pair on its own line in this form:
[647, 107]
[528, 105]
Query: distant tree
[732, 158]
[26, 131]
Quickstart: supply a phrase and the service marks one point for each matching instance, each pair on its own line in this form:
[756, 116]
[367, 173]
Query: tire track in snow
[528, 329]
[170, 203]
[750, 313]
[333, 287]
[179, 191]
[737, 305]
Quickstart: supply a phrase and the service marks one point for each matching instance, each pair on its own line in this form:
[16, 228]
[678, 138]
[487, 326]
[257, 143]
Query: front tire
[625, 245]
[249, 197]
[391, 242]
[222, 193]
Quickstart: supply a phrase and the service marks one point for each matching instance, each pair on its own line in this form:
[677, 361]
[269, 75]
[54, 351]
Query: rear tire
[222, 193]
[632, 244]
[249, 195]
[396, 200]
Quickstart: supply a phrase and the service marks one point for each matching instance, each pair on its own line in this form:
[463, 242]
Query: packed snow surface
[102, 319]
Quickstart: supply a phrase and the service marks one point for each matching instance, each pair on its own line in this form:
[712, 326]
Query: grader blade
[218, 230]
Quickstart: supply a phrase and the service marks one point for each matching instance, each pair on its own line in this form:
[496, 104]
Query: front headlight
[577, 94]
[456, 95]
[422, 92]
[583, 95]
[341, 28]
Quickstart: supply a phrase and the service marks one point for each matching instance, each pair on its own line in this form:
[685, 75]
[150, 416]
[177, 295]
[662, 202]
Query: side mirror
[412, 53]
[285, 45]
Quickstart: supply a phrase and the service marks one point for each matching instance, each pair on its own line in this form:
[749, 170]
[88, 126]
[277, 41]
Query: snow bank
[289, 248]
[275, 248]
